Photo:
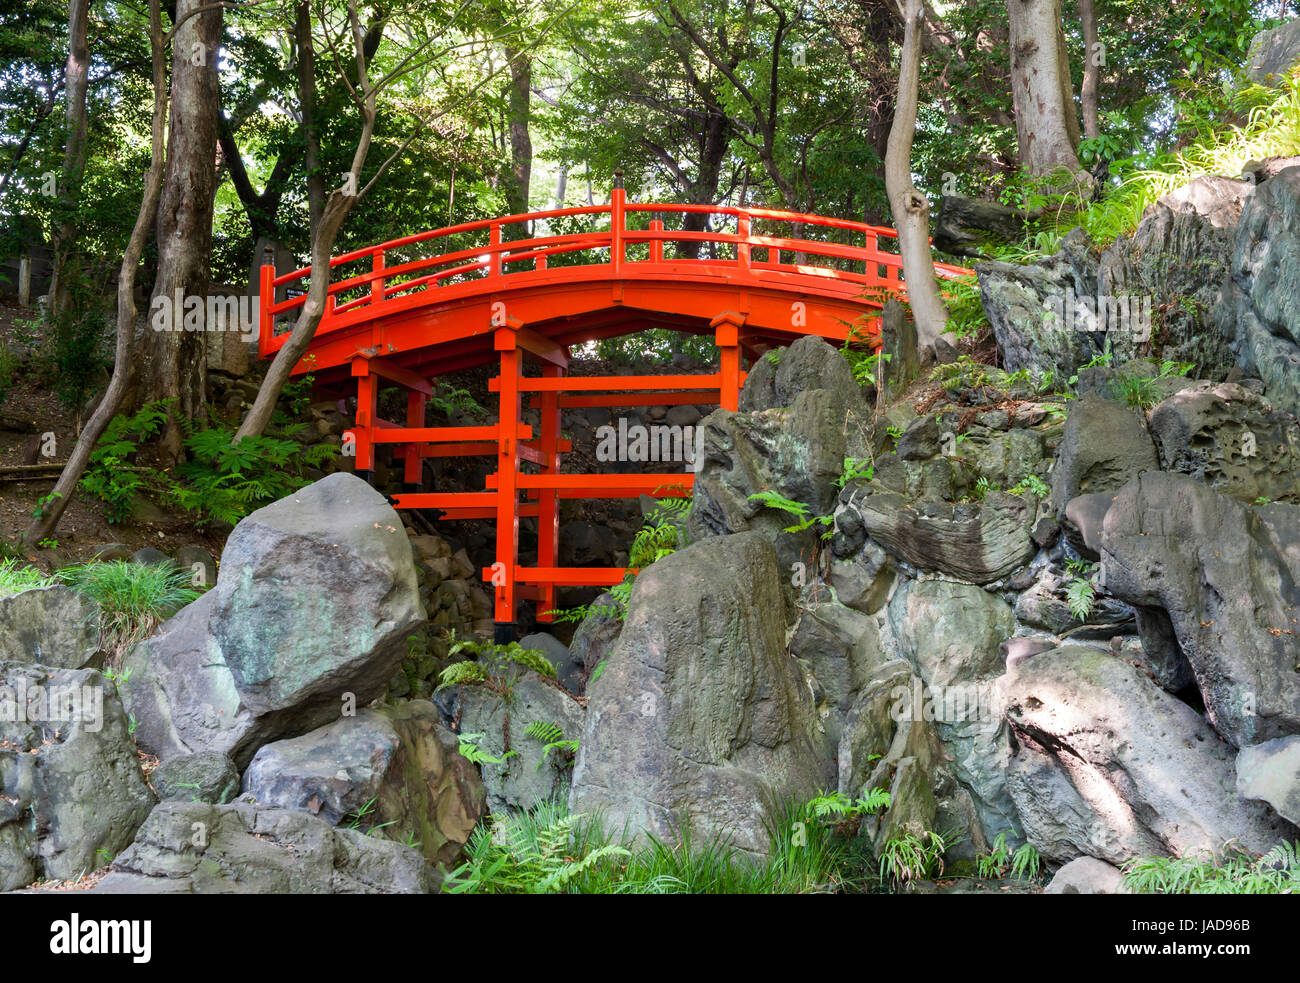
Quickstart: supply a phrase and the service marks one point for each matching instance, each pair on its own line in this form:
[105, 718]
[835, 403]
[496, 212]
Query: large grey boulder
[840, 647]
[1260, 309]
[1273, 53]
[1103, 446]
[531, 774]
[1232, 440]
[197, 848]
[951, 634]
[975, 541]
[797, 452]
[1056, 314]
[700, 715]
[53, 626]
[311, 613]
[1109, 765]
[1087, 875]
[394, 769]
[1227, 577]
[1271, 772]
[809, 363]
[72, 793]
[202, 777]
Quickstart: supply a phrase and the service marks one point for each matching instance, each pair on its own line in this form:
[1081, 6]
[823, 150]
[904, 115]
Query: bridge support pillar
[507, 495]
[726, 328]
[548, 511]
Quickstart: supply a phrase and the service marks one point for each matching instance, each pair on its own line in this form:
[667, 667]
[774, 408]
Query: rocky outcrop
[1087, 875]
[776, 380]
[202, 777]
[700, 715]
[72, 793]
[1270, 772]
[310, 614]
[1227, 577]
[976, 541]
[526, 773]
[1110, 766]
[394, 769]
[1260, 309]
[797, 453]
[1104, 445]
[840, 648]
[951, 634]
[1272, 53]
[1230, 439]
[1163, 282]
[196, 848]
[53, 626]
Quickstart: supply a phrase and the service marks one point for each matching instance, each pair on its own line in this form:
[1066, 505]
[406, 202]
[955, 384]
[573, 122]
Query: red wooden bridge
[407, 311]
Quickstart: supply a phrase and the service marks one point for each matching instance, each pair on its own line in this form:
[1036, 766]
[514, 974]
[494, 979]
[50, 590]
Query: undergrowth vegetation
[1232, 871]
[133, 598]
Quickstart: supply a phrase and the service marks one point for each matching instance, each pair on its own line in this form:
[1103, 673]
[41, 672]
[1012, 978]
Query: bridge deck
[407, 311]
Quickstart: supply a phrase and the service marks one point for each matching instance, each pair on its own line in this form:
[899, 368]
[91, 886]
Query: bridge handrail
[495, 256]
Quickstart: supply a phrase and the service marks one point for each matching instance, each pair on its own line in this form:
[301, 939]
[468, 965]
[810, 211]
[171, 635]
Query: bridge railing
[850, 253]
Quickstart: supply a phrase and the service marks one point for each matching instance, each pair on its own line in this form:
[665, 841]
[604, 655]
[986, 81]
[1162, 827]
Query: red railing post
[617, 220]
[494, 239]
[377, 285]
[657, 245]
[872, 252]
[265, 301]
[742, 247]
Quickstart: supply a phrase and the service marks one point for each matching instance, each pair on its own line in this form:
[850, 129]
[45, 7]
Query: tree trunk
[1047, 128]
[43, 525]
[910, 208]
[174, 366]
[74, 158]
[1088, 93]
[307, 107]
[521, 142]
[323, 237]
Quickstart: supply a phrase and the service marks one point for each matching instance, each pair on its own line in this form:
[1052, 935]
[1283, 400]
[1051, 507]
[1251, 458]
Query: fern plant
[1080, 592]
[111, 473]
[1233, 870]
[225, 480]
[911, 857]
[552, 738]
[1023, 863]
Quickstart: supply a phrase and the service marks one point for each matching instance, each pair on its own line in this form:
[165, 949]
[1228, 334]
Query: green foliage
[799, 510]
[470, 750]
[911, 857]
[838, 806]
[1023, 863]
[1233, 871]
[855, 469]
[133, 598]
[8, 366]
[16, 577]
[225, 481]
[552, 739]
[548, 850]
[1080, 593]
[1137, 391]
[966, 317]
[111, 475]
[1032, 484]
[498, 667]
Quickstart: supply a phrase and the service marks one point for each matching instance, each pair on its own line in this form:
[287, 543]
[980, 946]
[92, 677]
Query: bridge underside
[410, 349]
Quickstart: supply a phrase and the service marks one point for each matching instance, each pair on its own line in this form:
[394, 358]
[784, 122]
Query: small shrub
[16, 578]
[134, 598]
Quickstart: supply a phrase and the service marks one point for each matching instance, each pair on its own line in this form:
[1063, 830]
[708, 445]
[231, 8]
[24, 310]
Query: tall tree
[910, 207]
[48, 516]
[174, 363]
[76, 79]
[1046, 125]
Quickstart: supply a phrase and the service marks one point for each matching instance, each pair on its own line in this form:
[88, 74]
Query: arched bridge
[526, 289]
